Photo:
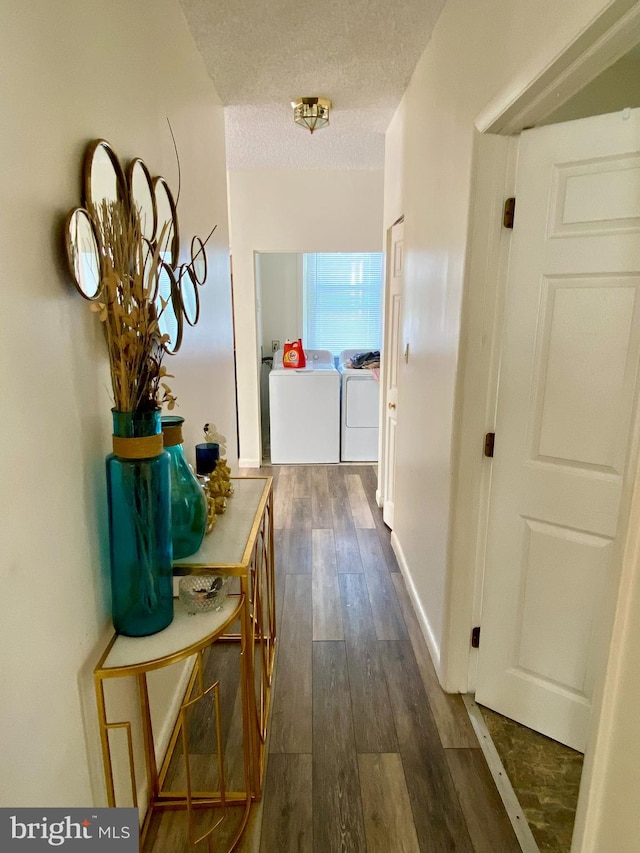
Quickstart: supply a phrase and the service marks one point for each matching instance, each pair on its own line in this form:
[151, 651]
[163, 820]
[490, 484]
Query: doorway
[510, 116]
[332, 302]
[495, 164]
[391, 372]
[566, 409]
[278, 318]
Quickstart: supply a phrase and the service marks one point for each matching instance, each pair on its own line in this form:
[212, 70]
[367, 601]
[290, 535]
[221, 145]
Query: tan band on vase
[172, 435]
[137, 448]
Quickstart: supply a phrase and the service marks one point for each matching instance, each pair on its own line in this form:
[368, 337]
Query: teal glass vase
[138, 489]
[188, 502]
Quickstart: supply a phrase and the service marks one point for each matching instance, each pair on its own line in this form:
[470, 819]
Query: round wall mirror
[103, 177]
[167, 225]
[142, 197]
[169, 316]
[83, 253]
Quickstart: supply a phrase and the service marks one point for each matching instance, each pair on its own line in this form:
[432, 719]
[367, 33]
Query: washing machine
[360, 414]
[304, 410]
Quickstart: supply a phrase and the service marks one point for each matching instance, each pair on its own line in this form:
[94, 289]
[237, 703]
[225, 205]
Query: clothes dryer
[360, 415]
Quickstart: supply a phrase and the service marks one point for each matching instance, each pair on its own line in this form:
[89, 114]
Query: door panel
[595, 197]
[589, 340]
[562, 576]
[394, 355]
[566, 407]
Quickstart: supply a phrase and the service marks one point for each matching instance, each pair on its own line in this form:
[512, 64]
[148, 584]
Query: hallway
[366, 753]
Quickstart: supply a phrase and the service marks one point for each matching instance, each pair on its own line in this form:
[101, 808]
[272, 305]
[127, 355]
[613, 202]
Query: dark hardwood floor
[366, 752]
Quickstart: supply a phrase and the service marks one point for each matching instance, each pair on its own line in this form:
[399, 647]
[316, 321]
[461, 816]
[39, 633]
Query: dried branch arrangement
[128, 308]
[123, 247]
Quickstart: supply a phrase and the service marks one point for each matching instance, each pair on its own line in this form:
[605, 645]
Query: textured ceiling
[262, 54]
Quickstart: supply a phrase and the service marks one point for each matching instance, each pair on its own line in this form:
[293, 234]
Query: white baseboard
[423, 621]
[379, 498]
[248, 463]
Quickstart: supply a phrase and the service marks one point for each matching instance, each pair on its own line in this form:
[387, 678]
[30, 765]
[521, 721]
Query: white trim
[476, 397]
[382, 434]
[301, 292]
[423, 621]
[508, 796]
[612, 34]
[248, 463]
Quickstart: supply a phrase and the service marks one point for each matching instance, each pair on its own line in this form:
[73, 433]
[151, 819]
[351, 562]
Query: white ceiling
[262, 54]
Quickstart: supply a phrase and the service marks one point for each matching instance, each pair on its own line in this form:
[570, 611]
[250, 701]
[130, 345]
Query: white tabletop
[226, 543]
[185, 631]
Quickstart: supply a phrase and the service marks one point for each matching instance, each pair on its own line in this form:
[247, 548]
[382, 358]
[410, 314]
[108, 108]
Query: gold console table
[241, 545]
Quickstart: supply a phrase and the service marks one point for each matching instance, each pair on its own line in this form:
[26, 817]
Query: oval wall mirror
[167, 222]
[143, 197]
[83, 253]
[103, 177]
[169, 316]
[189, 296]
[150, 277]
[198, 265]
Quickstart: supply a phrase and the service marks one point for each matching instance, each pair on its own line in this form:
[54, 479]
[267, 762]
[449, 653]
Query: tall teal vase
[188, 502]
[138, 487]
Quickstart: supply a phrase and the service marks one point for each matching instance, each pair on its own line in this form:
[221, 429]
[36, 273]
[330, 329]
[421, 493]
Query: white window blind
[342, 300]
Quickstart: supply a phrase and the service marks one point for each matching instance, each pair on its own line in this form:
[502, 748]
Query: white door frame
[384, 365]
[608, 38]
[383, 369]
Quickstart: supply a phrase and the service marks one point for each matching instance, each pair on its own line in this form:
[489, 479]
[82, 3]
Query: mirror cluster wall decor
[150, 200]
[123, 249]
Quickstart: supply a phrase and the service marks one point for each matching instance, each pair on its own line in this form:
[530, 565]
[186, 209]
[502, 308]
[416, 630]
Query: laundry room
[319, 400]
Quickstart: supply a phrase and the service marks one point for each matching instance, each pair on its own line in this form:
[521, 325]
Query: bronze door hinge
[489, 444]
[509, 212]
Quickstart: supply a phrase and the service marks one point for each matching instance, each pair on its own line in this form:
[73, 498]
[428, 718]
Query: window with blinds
[342, 300]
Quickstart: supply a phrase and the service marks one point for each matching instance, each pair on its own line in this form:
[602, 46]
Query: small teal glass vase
[138, 488]
[188, 502]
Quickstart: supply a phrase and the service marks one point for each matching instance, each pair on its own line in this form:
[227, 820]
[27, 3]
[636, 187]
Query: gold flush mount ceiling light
[311, 113]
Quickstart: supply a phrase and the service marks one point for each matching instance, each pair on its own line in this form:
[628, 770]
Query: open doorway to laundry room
[332, 303]
[278, 316]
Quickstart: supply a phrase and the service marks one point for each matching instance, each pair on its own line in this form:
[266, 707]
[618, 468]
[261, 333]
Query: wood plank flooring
[366, 753]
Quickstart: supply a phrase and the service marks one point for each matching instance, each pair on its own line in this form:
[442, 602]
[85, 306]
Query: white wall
[72, 72]
[279, 294]
[608, 817]
[290, 211]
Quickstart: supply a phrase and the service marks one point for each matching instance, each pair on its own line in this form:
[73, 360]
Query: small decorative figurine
[217, 486]
[212, 435]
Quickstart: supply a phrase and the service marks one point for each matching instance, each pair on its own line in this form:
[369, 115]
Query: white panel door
[393, 329]
[566, 408]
